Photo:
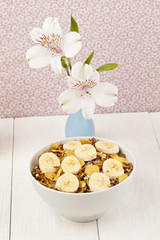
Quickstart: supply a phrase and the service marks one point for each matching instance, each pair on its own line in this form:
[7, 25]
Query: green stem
[69, 66]
[69, 63]
[67, 71]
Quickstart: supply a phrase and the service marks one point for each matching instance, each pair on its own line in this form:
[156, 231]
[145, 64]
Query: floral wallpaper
[123, 31]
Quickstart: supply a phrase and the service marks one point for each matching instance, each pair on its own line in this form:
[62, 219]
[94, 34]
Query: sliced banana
[86, 152]
[48, 161]
[67, 183]
[71, 164]
[107, 147]
[72, 145]
[99, 181]
[113, 168]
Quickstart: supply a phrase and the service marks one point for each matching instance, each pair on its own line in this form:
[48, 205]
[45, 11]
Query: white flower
[51, 45]
[85, 90]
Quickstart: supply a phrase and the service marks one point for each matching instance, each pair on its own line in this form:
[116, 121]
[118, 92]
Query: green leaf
[88, 60]
[74, 25]
[107, 67]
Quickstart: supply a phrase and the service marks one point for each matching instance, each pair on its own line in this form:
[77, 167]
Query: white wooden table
[24, 216]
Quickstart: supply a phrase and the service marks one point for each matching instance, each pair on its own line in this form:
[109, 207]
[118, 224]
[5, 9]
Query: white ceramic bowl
[83, 207]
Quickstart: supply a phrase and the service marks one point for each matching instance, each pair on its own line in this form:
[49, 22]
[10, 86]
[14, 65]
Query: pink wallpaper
[122, 31]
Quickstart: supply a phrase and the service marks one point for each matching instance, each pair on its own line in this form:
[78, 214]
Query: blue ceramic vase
[77, 125]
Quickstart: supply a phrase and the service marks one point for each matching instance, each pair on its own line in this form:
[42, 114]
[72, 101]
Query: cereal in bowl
[82, 166]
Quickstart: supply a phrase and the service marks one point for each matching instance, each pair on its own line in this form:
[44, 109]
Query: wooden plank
[138, 215]
[6, 140]
[31, 217]
[155, 118]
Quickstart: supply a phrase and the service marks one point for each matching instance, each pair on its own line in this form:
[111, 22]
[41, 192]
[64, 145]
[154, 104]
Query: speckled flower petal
[51, 26]
[81, 72]
[37, 35]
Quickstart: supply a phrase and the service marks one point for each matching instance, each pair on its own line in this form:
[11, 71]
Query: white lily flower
[85, 91]
[52, 45]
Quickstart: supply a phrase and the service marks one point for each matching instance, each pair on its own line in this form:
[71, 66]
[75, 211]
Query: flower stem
[69, 66]
[67, 71]
[65, 65]
[69, 63]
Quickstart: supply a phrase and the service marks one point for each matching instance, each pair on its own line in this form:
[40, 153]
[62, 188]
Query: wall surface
[122, 31]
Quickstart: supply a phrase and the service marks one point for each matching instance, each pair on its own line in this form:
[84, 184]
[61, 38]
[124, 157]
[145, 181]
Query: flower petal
[105, 94]
[77, 72]
[37, 35]
[51, 26]
[88, 107]
[56, 64]
[95, 77]
[81, 72]
[70, 101]
[71, 44]
[71, 82]
[38, 57]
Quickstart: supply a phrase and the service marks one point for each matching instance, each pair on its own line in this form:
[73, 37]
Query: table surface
[24, 216]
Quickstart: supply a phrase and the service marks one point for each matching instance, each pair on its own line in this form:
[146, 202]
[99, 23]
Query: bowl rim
[89, 193]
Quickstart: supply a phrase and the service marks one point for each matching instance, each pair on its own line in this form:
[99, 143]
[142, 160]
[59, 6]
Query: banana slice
[71, 164]
[72, 145]
[113, 168]
[48, 161]
[99, 181]
[86, 152]
[67, 183]
[107, 147]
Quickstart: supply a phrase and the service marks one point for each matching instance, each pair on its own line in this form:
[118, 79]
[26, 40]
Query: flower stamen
[45, 41]
[56, 39]
[55, 44]
[85, 85]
